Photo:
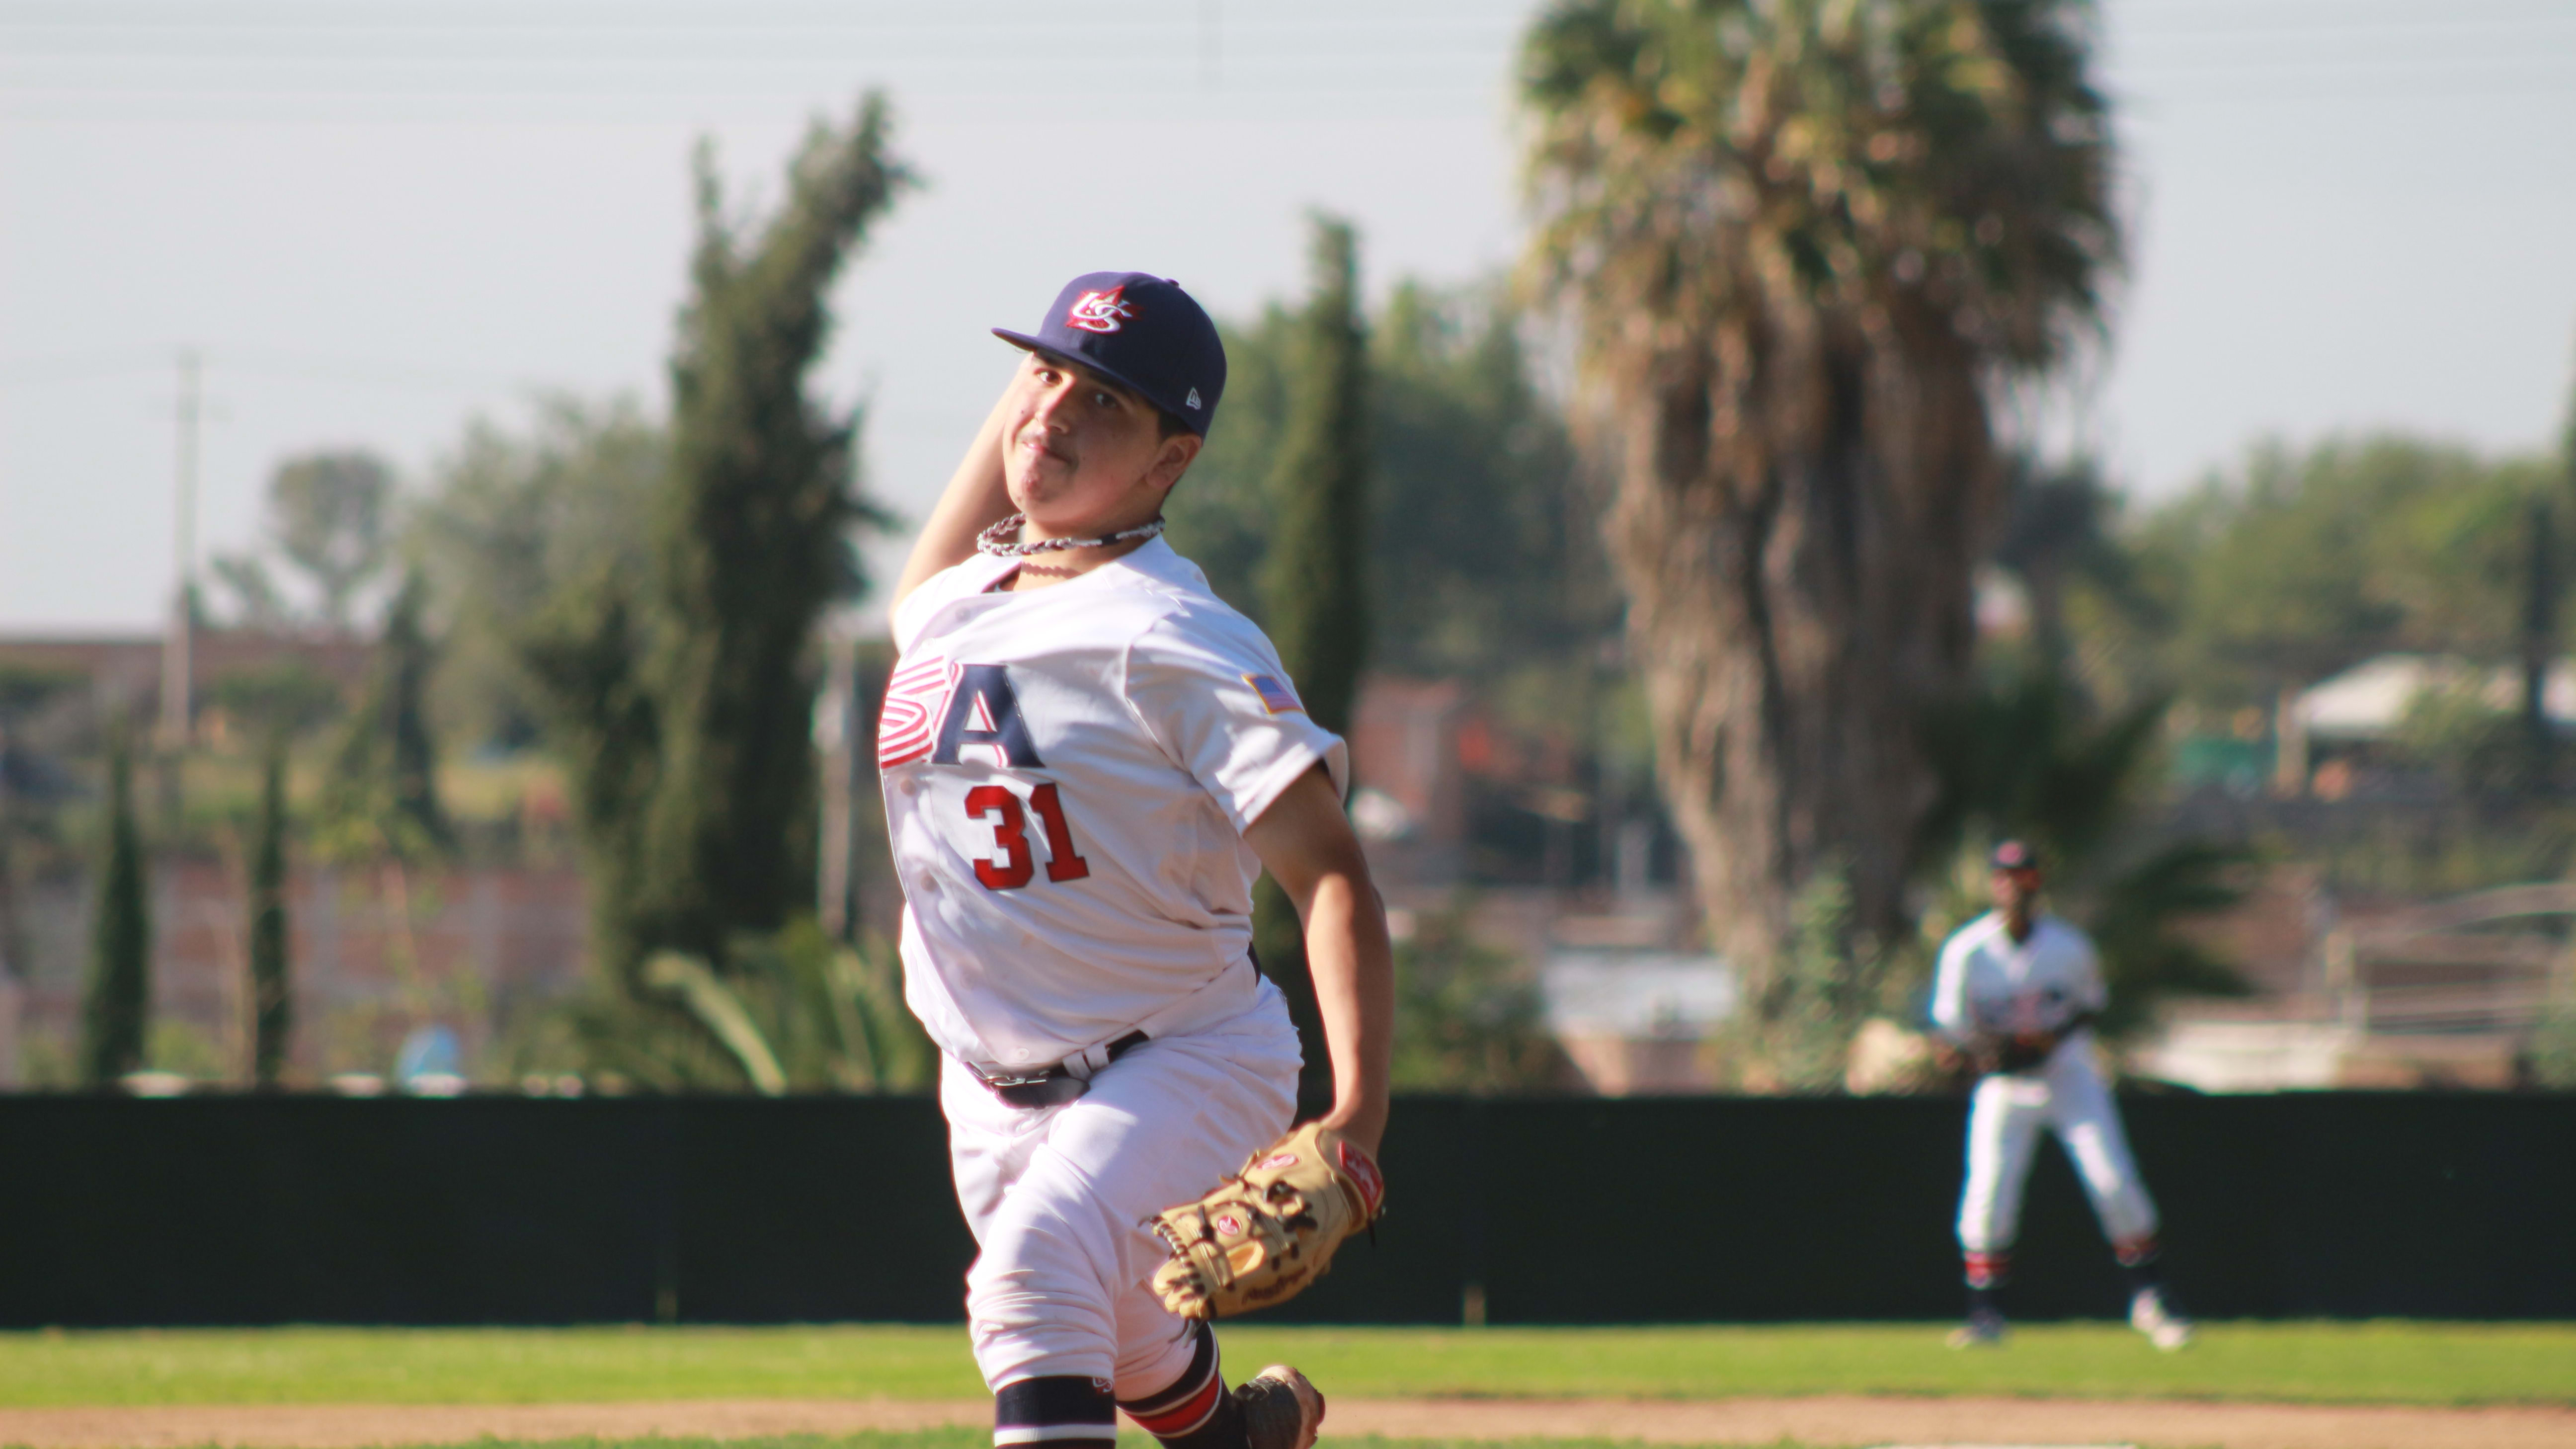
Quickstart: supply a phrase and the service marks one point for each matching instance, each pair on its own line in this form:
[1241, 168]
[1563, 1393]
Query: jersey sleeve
[2088, 990]
[1950, 1018]
[1210, 690]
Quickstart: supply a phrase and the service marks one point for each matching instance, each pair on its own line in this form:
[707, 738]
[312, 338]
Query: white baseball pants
[2004, 1119]
[1058, 1196]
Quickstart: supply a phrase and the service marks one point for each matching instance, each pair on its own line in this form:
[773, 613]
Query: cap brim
[1026, 343]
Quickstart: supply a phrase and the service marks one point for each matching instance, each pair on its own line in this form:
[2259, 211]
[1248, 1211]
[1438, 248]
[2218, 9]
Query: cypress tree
[751, 541]
[1314, 585]
[412, 752]
[680, 694]
[383, 786]
[272, 996]
[1314, 580]
[117, 1004]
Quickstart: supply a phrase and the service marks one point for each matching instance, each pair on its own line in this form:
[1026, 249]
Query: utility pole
[178, 677]
[178, 646]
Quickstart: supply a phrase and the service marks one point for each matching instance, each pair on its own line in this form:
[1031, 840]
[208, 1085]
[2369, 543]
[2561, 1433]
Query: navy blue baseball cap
[1141, 332]
[2014, 855]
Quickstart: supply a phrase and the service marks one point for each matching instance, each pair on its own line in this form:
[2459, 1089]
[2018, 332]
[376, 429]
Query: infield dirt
[1818, 1421]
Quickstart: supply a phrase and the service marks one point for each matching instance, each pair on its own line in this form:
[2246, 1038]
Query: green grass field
[2385, 1362]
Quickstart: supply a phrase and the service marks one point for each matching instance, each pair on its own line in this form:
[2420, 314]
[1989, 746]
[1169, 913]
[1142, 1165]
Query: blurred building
[2362, 993]
[123, 672]
[1635, 1022]
[377, 951]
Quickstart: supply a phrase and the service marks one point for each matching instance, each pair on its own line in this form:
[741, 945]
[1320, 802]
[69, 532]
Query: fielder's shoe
[1982, 1330]
[2164, 1328]
[1280, 1409]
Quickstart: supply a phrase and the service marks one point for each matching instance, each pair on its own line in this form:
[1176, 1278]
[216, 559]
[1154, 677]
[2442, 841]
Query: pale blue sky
[376, 218]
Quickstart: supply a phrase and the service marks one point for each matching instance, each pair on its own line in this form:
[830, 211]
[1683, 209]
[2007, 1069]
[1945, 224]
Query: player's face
[1083, 456]
[2014, 889]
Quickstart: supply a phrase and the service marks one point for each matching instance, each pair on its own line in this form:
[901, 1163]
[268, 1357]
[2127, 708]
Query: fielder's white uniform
[1068, 773]
[1990, 985]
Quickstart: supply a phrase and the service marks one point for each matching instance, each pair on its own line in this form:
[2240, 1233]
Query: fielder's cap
[1140, 331]
[2015, 855]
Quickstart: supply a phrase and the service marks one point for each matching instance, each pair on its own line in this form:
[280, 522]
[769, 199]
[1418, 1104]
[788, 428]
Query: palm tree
[1802, 242]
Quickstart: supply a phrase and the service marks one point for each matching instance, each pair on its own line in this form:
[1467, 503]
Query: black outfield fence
[246, 1210]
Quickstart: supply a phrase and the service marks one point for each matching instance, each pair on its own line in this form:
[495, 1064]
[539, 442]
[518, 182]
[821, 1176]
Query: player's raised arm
[976, 498]
[1306, 842]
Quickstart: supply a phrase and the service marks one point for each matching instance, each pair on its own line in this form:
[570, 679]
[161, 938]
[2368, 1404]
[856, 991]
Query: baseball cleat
[1280, 1409]
[2164, 1328]
[1982, 1330]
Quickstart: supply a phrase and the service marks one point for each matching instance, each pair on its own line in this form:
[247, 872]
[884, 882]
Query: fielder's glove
[2023, 1051]
[1266, 1233]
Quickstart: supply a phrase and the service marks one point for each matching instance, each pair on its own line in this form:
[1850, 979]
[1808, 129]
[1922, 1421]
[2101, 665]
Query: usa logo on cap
[1100, 311]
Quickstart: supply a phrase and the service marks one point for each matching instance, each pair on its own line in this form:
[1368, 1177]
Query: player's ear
[1173, 458]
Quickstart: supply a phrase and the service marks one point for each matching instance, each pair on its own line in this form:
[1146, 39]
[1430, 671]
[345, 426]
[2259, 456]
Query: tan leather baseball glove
[1266, 1233]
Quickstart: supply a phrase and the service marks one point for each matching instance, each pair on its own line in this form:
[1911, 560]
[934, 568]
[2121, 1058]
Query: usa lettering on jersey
[916, 701]
[983, 709]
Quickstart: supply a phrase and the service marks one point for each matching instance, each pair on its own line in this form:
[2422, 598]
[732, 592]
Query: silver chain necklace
[995, 540]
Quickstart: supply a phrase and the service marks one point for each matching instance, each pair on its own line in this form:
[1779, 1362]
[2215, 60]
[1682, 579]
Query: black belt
[1053, 1087]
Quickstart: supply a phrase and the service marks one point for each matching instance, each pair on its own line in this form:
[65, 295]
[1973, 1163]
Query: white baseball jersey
[1068, 773]
[1990, 983]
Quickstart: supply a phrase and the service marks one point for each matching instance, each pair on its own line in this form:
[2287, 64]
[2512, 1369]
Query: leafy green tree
[1467, 1019]
[1482, 558]
[2296, 564]
[116, 1007]
[330, 514]
[581, 651]
[1802, 240]
[2060, 534]
[751, 542]
[271, 984]
[1313, 580]
[257, 602]
[383, 789]
[516, 520]
[674, 668]
[1831, 978]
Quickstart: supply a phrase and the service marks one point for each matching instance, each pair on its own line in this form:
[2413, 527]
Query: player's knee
[1028, 1329]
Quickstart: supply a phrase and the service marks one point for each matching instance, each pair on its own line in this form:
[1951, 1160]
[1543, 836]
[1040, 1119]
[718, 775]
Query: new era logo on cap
[1100, 311]
[1193, 399]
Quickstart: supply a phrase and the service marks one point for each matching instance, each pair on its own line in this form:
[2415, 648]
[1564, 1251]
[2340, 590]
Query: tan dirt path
[1822, 1421]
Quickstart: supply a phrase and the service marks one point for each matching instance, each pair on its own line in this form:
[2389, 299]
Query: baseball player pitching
[1087, 759]
[2016, 993]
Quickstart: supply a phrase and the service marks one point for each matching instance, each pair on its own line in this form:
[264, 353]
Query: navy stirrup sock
[1057, 1411]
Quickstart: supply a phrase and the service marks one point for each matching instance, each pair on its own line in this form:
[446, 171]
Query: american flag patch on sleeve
[1276, 696]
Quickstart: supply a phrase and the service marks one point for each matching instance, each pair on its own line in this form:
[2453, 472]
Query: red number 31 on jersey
[1016, 867]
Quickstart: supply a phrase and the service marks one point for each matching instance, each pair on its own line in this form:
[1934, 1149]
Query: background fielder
[2017, 992]
[1087, 758]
